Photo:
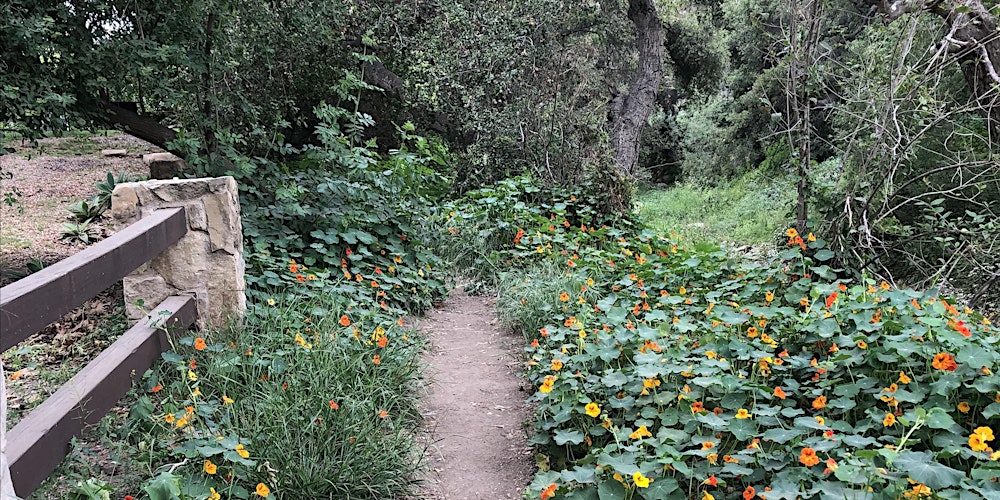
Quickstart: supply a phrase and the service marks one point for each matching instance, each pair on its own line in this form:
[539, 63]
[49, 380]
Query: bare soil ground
[476, 408]
[51, 176]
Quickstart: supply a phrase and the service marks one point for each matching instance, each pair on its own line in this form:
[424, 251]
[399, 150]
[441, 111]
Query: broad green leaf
[563, 436]
[922, 468]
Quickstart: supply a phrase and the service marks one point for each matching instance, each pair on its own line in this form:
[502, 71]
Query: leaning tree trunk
[972, 35]
[630, 111]
[140, 126]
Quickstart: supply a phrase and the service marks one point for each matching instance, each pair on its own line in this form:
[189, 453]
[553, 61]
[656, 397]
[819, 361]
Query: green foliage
[657, 363]
[86, 210]
[480, 228]
[343, 205]
[82, 232]
[749, 210]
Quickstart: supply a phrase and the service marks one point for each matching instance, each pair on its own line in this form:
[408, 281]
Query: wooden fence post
[6, 485]
[206, 263]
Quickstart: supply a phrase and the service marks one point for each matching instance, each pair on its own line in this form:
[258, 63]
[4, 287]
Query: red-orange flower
[377, 360]
[383, 341]
[779, 393]
[808, 457]
[334, 405]
[199, 344]
[549, 492]
[831, 299]
[944, 361]
[345, 321]
[300, 278]
[749, 493]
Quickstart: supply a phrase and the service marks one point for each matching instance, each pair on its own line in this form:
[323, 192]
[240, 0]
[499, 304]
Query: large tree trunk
[143, 127]
[630, 111]
[972, 35]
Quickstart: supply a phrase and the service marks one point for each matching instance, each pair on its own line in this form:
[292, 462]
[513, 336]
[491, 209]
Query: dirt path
[475, 409]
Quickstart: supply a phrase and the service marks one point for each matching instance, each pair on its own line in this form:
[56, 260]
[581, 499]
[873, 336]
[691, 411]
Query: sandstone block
[114, 152]
[206, 263]
[149, 288]
[164, 165]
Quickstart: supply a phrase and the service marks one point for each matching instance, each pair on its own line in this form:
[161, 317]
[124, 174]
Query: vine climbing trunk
[630, 111]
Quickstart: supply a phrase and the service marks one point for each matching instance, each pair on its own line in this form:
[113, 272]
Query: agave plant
[86, 210]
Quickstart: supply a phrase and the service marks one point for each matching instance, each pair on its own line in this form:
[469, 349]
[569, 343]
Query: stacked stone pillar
[206, 263]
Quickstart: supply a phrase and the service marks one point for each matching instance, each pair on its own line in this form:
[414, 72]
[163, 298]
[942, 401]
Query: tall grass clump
[311, 397]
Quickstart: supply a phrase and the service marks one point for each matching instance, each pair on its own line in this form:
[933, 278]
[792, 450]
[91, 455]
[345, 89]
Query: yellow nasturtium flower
[640, 480]
[593, 409]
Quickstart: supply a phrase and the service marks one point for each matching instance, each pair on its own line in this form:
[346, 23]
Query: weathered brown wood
[30, 304]
[39, 443]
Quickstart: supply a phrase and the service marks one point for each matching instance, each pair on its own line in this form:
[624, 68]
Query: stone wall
[206, 263]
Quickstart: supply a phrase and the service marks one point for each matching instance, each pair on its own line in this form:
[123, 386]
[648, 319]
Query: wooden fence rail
[40, 441]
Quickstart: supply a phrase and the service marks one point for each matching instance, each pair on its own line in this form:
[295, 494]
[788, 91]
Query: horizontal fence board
[41, 440]
[30, 304]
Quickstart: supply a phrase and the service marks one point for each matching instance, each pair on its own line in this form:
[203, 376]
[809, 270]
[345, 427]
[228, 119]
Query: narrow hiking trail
[477, 445]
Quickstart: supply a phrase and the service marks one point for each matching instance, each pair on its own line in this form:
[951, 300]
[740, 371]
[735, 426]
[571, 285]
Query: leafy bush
[666, 373]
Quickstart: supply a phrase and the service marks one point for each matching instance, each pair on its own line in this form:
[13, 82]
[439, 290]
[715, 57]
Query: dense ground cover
[668, 373]
[312, 394]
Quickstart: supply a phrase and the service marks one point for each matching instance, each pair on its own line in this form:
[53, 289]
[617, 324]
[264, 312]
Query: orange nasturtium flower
[641, 432]
[808, 457]
[563, 297]
[549, 492]
[964, 407]
[262, 490]
[345, 321]
[592, 409]
[377, 359]
[819, 403]
[199, 344]
[241, 451]
[831, 299]
[779, 393]
[889, 420]
[979, 437]
[749, 493]
[209, 467]
[334, 405]
[556, 365]
[944, 361]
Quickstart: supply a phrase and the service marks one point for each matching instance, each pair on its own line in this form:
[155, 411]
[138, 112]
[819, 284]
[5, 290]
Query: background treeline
[878, 117]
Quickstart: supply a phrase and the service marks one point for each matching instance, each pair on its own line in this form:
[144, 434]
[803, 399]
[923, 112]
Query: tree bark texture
[630, 111]
[973, 37]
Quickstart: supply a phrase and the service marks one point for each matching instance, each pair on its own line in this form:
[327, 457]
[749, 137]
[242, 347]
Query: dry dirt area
[51, 176]
[476, 409]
